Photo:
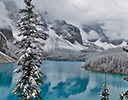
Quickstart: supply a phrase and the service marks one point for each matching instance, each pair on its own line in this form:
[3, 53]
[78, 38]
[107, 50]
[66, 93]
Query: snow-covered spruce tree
[124, 94]
[104, 94]
[30, 82]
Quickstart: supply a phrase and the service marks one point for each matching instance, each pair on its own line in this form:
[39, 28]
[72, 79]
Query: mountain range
[61, 35]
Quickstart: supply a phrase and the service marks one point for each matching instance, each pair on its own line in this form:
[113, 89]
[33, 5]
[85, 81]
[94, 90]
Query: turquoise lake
[65, 80]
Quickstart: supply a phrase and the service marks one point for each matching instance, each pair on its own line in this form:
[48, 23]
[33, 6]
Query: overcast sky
[88, 10]
[113, 12]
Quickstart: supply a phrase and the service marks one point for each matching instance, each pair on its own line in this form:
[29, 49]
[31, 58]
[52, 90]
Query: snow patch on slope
[109, 45]
[83, 36]
[5, 58]
[57, 42]
[93, 35]
[123, 44]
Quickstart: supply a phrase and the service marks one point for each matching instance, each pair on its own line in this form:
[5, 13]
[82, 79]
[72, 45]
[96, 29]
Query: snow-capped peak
[109, 45]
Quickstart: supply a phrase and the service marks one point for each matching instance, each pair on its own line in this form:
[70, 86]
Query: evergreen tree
[104, 94]
[30, 81]
[124, 94]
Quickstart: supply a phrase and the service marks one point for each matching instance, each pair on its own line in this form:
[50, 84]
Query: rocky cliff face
[13, 14]
[67, 31]
[62, 34]
[7, 32]
[5, 58]
[6, 35]
[3, 42]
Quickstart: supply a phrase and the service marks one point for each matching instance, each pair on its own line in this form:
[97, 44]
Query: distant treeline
[111, 62]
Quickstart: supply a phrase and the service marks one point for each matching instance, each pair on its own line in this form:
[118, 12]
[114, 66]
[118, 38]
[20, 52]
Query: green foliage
[30, 81]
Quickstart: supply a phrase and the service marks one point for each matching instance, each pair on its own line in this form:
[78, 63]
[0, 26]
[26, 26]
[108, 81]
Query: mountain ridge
[62, 36]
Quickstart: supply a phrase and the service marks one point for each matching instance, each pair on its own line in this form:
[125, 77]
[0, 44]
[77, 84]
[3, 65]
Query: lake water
[65, 80]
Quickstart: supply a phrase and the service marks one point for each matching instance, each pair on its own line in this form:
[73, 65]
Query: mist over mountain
[71, 25]
[88, 12]
[105, 25]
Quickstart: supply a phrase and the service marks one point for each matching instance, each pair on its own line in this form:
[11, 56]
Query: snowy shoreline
[104, 71]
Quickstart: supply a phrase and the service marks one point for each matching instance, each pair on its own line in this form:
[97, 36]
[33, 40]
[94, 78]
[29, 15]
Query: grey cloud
[79, 12]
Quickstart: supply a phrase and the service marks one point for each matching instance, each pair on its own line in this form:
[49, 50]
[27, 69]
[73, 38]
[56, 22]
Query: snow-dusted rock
[5, 58]
[3, 42]
[67, 31]
[106, 45]
[8, 33]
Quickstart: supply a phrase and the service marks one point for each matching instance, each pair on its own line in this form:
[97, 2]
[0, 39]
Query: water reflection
[65, 81]
[6, 77]
[61, 80]
[70, 87]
